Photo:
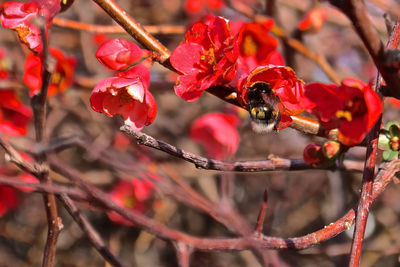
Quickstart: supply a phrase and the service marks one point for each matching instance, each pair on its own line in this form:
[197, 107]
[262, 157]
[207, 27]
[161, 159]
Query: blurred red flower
[9, 199]
[196, 6]
[118, 54]
[313, 20]
[133, 195]
[284, 84]
[16, 16]
[217, 133]
[14, 116]
[206, 58]
[353, 108]
[126, 94]
[256, 46]
[27, 178]
[61, 78]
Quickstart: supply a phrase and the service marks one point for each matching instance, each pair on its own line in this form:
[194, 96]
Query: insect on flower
[263, 107]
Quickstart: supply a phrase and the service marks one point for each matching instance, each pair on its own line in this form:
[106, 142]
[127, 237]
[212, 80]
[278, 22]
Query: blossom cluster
[127, 93]
[216, 52]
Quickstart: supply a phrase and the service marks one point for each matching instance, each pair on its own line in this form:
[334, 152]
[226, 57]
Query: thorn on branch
[261, 215]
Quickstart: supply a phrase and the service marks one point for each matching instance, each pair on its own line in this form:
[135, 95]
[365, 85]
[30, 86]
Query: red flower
[132, 195]
[313, 21]
[9, 199]
[196, 6]
[217, 133]
[118, 54]
[128, 95]
[17, 16]
[353, 107]
[14, 116]
[284, 84]
[256, 46]
[61, 78]
[206, 58]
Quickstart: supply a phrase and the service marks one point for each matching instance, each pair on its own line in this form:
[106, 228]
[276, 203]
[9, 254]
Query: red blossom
[127, 95]
[206, 58]
[133, 195]
[256, 46]
[14, 116]
[61, 78]
[353, 108]
[118, 54]
[9, 199]
[17, 16]
[284, 84]
[196, 6]
[313, 20]
[217, 133]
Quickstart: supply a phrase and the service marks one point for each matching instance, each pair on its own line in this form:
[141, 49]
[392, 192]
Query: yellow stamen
[344, 114]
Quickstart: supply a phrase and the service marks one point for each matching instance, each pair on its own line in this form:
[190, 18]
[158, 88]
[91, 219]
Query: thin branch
[74, 193]
[368, 175]
[39, 112]
[183, 252]
[210, 164]
[93, 28]
[89, 230]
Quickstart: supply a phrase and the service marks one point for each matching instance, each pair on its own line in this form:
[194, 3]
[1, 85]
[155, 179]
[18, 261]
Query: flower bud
[118, 54]
[331, 149]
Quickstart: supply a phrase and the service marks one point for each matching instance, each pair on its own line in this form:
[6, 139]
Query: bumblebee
[263, 107]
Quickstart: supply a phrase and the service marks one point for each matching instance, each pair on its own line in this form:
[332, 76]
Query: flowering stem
[273, 164]
[368, 175]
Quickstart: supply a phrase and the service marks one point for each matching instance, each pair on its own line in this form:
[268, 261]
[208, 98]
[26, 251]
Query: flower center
[209, 56]
[129, 202]
[354, 108]
[249, 47]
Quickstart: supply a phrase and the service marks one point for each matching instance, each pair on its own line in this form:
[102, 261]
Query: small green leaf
[384, 142]
[388, 155]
